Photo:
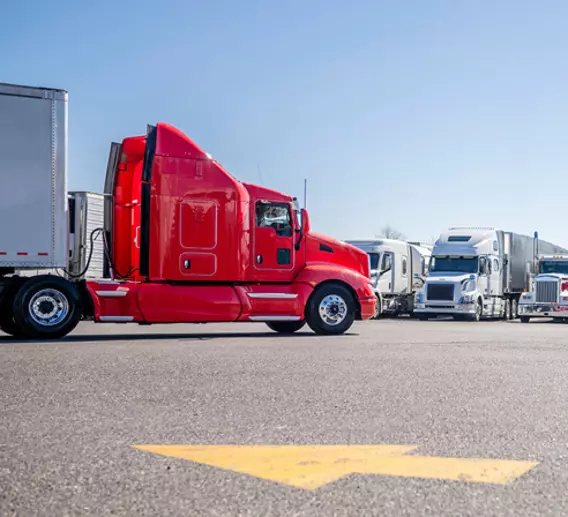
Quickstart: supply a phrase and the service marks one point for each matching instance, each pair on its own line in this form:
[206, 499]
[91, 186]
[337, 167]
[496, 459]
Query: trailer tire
[8, 326]
[7, 323]
[525, 319]
[47, 307]
[422, 317]
[285, 327]
[331, 309]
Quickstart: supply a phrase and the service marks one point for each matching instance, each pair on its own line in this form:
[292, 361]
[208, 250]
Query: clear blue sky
[421, 114]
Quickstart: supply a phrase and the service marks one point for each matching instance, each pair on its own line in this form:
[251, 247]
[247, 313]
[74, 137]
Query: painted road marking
[312, 466]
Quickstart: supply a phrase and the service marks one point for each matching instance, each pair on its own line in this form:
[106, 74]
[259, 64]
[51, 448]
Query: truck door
[273, 240]
[386, 272]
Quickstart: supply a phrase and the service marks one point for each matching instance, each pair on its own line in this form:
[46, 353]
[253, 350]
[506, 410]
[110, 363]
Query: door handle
[259, 259]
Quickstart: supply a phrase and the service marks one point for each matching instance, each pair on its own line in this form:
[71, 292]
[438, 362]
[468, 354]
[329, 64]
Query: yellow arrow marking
[312, 466]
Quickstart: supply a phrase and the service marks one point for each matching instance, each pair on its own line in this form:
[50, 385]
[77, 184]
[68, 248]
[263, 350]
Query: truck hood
[456, 277]
[551, 276]
[323, 249]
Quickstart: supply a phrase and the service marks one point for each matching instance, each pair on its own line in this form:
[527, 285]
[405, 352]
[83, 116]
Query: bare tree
[388, 232]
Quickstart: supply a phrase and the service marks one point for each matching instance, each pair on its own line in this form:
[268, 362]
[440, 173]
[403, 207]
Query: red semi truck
[184, 240]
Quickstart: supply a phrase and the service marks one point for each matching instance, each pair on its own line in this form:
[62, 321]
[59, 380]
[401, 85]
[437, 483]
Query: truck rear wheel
[285, 327]
[47, 307]
[514, 309]
[331, 309]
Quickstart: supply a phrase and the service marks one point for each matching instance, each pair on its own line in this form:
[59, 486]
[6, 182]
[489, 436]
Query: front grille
[547, 291]
[440, 292]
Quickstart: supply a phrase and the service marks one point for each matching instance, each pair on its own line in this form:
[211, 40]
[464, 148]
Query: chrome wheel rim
[333, 309]
[48, 307]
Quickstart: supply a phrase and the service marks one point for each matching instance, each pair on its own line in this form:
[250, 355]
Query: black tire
[525, 319]
[8, 326]
[328, 302]
[378, 309]
[41, 296]
[422, 317]
[7, 323]
[285, 327]
[478, 311]
[507, 311]
[514, 309]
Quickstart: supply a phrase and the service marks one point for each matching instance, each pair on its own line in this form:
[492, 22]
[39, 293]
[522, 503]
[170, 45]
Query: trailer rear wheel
[285, 327]
[8, 326]
[47, 307]
[331, 309]
[525, 319]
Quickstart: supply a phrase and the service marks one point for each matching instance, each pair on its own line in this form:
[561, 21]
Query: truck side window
[386, 264]
[276, 216]
[482, 265]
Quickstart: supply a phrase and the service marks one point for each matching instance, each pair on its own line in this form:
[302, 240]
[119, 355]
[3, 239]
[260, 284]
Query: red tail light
[564, 286]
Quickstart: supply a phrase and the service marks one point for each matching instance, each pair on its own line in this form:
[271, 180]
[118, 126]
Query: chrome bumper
[446, 308]
[543, 310]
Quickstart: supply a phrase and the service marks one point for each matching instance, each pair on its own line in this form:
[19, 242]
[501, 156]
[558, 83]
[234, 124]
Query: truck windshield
[454, 264]
[553, 266]
[374, 260]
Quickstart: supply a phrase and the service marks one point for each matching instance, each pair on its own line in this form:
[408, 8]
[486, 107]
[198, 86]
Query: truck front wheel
[47, 307]
[478, 311]
[331, 309]
[285, 327]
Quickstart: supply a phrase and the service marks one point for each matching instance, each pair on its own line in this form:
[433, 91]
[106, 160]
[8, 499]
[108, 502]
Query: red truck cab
[187, 242]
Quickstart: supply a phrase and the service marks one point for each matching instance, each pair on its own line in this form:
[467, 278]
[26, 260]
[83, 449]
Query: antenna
[305, 193]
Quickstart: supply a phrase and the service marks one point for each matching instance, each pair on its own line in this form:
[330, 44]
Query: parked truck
[397, 271]
[478, 272]
[548, 294]
[183, 240]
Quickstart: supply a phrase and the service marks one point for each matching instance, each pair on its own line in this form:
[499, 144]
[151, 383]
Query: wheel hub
[333, 309]
[48, 307]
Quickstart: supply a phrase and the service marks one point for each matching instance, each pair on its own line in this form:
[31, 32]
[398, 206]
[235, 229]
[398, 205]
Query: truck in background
[184, 241]
[548, 294]
[397, 272]
[478, 272]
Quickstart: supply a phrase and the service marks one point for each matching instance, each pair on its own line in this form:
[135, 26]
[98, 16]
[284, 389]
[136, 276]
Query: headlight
[466, 298]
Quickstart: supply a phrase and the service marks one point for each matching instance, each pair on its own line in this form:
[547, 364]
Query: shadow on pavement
[84, 338]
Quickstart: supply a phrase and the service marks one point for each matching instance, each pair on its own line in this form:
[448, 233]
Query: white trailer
[548, 295]
[397, 271]
[38, 238]
[478, 272]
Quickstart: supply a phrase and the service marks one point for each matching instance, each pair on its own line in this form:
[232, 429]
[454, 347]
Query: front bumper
[543, 310]
[368, 306]
[446, 308]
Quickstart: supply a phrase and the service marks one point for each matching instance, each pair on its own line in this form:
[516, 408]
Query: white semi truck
[397, 272]
[479, 272]
[548, 295]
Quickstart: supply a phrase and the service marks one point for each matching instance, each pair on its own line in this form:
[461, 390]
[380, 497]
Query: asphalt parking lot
[127, 420]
